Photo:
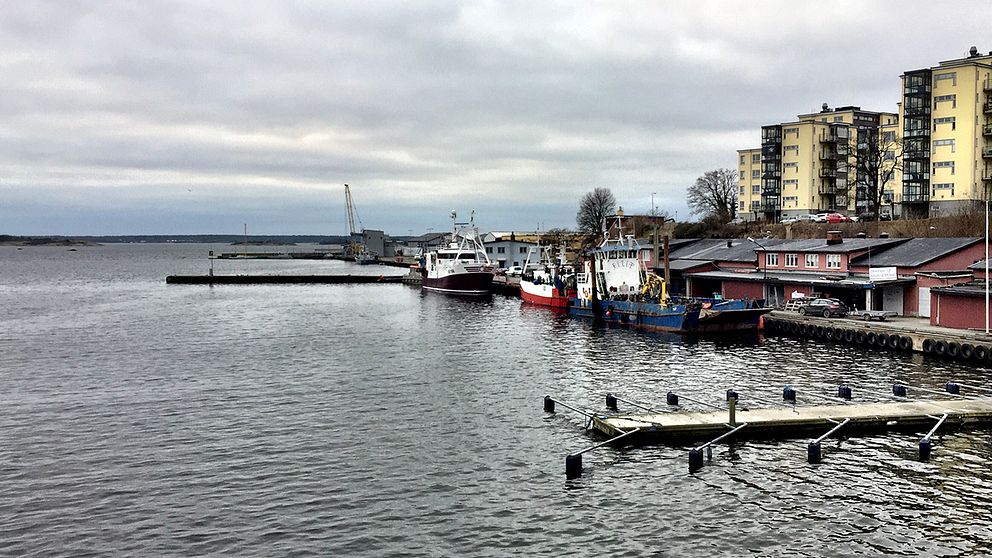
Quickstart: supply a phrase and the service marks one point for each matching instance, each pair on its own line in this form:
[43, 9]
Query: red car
[838, 218]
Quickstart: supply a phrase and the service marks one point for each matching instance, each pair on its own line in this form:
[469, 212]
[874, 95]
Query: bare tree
[593, 210]
[714, 193]
[875, 157]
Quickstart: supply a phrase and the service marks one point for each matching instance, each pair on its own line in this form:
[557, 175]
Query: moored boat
[626, 293]
[552, 284]
[460, 268]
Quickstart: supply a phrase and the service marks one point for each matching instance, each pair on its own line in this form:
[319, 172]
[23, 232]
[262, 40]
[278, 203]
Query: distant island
[8, 240]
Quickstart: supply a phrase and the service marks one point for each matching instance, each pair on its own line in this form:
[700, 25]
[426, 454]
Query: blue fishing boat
[625, 292]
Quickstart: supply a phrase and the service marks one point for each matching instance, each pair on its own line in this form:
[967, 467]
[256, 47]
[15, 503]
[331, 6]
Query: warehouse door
[924, 302]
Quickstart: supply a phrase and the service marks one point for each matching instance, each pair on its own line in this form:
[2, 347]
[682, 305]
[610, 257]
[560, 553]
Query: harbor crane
[354, 247]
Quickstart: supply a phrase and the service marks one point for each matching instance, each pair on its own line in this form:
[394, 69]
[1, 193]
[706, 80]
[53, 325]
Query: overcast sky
[160, 117]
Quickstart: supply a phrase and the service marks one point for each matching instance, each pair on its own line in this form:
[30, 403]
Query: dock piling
[549, 404]
[844, 392]
[732, 404]
[672, 399]
[925, 443]
[813, 450]
[696, 453]
[611, 402]
[952, 388]
[789, 394]
[899, 390]
[573, 462]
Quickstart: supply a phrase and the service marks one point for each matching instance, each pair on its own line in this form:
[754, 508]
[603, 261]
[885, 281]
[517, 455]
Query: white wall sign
[882, 274]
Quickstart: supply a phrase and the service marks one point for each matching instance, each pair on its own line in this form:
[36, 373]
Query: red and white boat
[551, 284]
[462, 267]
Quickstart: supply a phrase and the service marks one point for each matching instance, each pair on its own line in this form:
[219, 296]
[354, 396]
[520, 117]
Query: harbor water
[148, 419]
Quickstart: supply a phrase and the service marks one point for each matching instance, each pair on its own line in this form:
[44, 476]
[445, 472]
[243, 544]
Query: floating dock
[279, 279]
[788, 419]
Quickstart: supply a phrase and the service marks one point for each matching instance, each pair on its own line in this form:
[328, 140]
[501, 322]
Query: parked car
[820, 218]
[837, 218]
[826, 307]
[809, 218]
[789, 220]
[870, 216]
[514, 271]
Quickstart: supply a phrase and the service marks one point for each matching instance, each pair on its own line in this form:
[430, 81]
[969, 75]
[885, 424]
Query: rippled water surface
[375, 420]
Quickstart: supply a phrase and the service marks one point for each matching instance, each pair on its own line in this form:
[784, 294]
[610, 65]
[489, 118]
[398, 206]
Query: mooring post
[672, 399]
[732, 405]
[899, 390]
[573, 466]
[925, 444]
[611, 402]
[789, 394]
[844, 392]
[813, 454]
[549, 404]
[953, 388]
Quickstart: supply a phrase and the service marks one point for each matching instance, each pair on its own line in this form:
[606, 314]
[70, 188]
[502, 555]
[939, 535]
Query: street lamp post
[652, 204]
[764, 260]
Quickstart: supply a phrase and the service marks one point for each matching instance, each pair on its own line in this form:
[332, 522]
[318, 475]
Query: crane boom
[350, 208]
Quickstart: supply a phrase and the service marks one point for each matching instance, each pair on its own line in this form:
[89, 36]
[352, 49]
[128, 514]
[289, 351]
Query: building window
[742, 159]
[945, 120]
[889, 137]
[791, 131]
[833, 261]
[948, 186]
[953, 76]
[740, 204]
[791, 148]
[756, 158]
[944, 142]
[838, 119]
[791, 181]
[501, 250]
[944, 98]
[755, 173]
[792, 260]
[943, 165]
[755, 189]
[523, 249]
[489, 249]
[740, 175]
[792, 165]
[755, 205]
[741, 189]
[812, 260]
[771, 260]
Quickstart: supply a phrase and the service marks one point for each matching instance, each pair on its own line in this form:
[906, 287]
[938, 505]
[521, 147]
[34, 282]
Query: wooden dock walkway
[798, 421]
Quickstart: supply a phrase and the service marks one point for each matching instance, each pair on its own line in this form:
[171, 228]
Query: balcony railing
[916, 177]
[828, 155]
[915, 197]
[771, 191]
[916, 133]
[918, 111]
[987, 130]
[987, 151]
[770, 206]
[828, 189]
[771, 174]
[987, 85]
[987, 107]
[828, 173]
[919, 89]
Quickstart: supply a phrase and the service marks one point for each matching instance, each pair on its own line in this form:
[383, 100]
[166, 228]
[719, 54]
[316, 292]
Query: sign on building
[882, 274]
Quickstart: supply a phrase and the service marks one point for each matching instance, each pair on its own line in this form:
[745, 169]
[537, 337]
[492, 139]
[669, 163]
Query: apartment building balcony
[917, 111]
[987, 130]
[771, 174]
[987, 152]
[828, 155]
[919, 89]
[771, 191]
[770, 206]
[987, 85]
[916, 177]
[916, 155]
[916, 133]
[828, 188]
[828, 173]
[987, 107]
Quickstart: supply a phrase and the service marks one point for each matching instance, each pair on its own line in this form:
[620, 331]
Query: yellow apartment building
[748, 183]
[807, 165]
[946, 112]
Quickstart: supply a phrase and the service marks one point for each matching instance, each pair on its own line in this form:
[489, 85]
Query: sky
[203, 117]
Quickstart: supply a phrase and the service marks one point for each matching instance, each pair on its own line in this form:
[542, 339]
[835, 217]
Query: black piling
[695, 460]
[953, 388]
[611, 402]
[925, 449]
[672, 399]
[549, 404]
[813, 453]
[844, 392]
[899, 390]
[789, 394]
[573, 466]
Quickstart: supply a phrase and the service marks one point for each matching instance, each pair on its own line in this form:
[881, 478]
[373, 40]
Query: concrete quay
[899, 333]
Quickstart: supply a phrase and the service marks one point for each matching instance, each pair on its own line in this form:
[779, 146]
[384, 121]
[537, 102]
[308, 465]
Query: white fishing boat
[462, 267]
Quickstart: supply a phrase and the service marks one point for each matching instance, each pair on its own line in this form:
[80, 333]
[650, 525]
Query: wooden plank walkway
[783, 422]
